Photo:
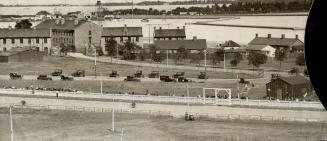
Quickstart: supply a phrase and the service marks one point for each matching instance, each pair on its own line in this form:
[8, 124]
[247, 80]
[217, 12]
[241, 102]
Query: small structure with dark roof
[169, 34]
[173, 45]
[288, 88]
[265, 49]
[228, 45]
[21, 54]
[291, 44]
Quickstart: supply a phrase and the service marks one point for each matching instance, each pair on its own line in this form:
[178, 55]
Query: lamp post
[167, 59]
[205, 60]
[11, 124]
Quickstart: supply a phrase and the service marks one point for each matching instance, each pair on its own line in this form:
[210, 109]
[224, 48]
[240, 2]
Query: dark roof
[17, 33]
[119, 31]
[68, 24]
[240, 50]
[198, 44]
[169, 33]
[230, 43]
[274, 41]
[294, 80]
[15, 50]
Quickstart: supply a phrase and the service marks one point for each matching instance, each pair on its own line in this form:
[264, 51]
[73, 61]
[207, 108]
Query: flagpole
[11, 124]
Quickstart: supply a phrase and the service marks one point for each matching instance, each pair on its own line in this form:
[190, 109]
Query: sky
[75, 2]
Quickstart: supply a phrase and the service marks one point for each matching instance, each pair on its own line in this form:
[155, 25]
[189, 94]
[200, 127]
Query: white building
[266, 49]
[12, 38]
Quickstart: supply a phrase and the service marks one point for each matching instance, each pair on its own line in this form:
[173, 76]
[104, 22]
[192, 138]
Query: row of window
[64, 40]
[37, 48]
[170, 38]
[21, 40]
[137, 39]
[62, 33]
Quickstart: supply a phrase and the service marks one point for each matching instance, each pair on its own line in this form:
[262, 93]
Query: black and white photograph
[157, 70]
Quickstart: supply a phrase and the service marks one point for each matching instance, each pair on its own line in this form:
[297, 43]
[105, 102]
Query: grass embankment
[55, 125]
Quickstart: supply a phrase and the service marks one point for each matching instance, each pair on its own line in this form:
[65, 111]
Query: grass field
[46, 125]
[70, 65]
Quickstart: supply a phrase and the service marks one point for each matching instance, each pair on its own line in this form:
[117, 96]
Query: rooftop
[295, 80]
[160, 33]
[68, 24]
[230, 43]
[119, 31]
[25, 33]
[195, 44]
[273, 41]
[256, 47]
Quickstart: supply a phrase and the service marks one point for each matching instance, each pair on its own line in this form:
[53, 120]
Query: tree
[23, 24]
[234, 63]
[128, 50]
[153, 52]
[111, 48]
[159, 57]
[182, 54]
[257, 58]
[218, 56]
[280, 55]
[300, 60]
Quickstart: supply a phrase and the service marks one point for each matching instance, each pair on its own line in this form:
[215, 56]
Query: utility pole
[113, 120]
[205, 60]
[101, 83]
[224, 60]
[122, 134]
[95, 63]
[11, 124]
[167, 59]
[188, 95]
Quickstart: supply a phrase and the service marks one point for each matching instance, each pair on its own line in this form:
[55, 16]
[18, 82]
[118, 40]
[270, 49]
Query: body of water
[215, 34]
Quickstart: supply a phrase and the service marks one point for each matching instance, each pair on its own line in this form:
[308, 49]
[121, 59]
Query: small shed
[288, 88]
[21, 54]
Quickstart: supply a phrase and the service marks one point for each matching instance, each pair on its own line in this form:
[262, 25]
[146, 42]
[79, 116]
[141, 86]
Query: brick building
[13, 38]
[169, 34]
[193, 45]
[78, 34]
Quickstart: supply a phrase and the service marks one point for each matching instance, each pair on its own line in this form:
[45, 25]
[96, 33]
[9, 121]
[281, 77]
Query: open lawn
[160, 88]
[54, 125]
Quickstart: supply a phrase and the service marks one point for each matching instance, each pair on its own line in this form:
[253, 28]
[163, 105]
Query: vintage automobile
[166, 78]
[43, 77]
[178, 74]
[63, 77]
[114, 73]
[138, 74]
[203, 75]
[15, 76]
[154, 74]
[132, 78]
[79, 73]
[56, 72]
[183, 79]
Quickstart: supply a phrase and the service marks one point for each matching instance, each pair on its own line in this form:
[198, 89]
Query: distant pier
[249, 26]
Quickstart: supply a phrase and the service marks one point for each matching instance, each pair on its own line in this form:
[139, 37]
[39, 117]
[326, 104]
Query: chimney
[256, 35]
[154, 28]
[269, 35]
[177, 27]
[283, 36]
[62, 21]
[9, 27]
[183, 27]
[296, 36]
[76, 22]
[125, 25]
[160, 28]
[195, 38]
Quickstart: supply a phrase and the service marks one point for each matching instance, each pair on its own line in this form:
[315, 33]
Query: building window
[4, 49]
[45, 40]
[4, 41]
[129, 39]
[12, 40]
[90, 32]
[37, 40]
[21, 40]
[121, 39]
[29, 40]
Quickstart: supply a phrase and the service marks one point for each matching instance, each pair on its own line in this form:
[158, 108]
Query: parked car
[154, 74]
[203, 75]
[178, 74]
[183, 79]
[243, 81]
[15, 76]
[63, 77]
[114, 73]
[166, 78]
[132, 78]
[79, 73]
[43, 77]
[138, 74]
[56, 72]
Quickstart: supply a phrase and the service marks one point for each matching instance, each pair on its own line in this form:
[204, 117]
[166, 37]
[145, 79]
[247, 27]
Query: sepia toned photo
[150, 70]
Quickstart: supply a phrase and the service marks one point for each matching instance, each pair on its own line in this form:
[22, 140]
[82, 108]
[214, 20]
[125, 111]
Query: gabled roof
[15, 50]
[161, 33]
[24, 33]
[68, 24]
[119, 31]
[295, 80]
[274, 41]
[197, 44]
[256, 47]
[230, 43]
